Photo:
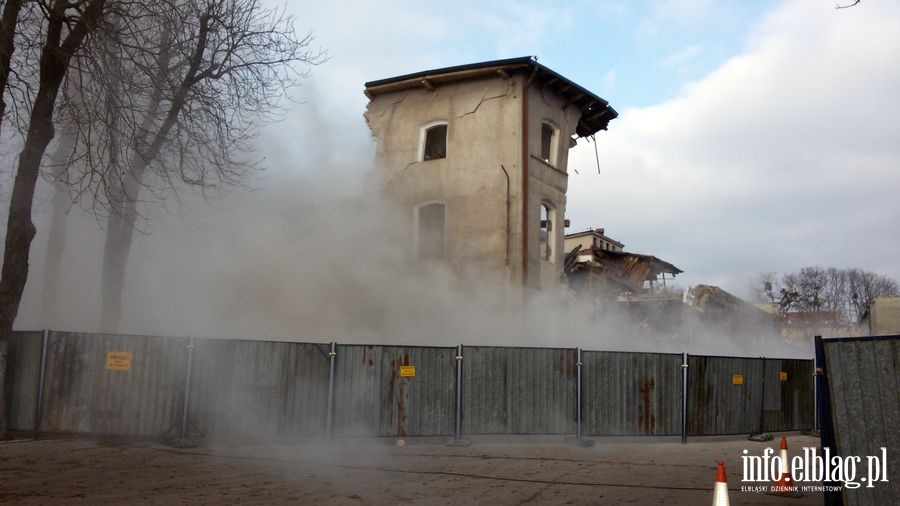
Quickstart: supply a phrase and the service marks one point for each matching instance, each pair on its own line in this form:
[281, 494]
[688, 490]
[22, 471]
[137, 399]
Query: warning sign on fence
[782, 375]
[737, 379]
[407, 371]
[118, 361]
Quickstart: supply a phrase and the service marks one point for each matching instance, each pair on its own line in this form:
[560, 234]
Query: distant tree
[863, 287]
[846, 291]
[767, 288]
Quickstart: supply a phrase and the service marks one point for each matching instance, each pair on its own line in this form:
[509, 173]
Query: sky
[752, 136]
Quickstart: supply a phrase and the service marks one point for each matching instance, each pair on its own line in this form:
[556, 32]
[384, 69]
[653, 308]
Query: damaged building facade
[477, 156]
[598, 266]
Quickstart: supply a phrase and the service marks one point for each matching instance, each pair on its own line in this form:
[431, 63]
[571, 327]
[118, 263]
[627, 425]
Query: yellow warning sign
[737, 379]
[118, 361]
[782, 375]
[407, 371]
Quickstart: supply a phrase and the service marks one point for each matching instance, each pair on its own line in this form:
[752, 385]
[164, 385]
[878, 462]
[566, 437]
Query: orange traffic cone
[720, 493]
[784, 486]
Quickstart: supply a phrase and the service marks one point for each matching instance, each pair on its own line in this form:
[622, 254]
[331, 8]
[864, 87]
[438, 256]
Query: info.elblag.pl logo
[815, 467]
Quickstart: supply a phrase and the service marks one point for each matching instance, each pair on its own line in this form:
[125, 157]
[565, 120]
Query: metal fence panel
[262, 390]
[83, 394]
[862, 375]
[23, 365]
[788, 395]
[518, 390]
[631, 393]
[373, 398]
[724, 395]
[259, 389]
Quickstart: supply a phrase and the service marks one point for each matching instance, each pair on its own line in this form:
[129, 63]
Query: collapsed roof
[628, 270]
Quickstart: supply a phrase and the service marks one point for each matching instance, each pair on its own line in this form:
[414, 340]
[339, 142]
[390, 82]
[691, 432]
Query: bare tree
[172, 89]
[64, 28]
[849, 292]
[863, 287]
[173, 94]
[767, 288]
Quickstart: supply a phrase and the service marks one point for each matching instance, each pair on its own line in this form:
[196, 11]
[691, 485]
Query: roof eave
[595, 111]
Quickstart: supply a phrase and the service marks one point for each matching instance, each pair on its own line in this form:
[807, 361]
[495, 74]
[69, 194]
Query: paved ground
[535, 470]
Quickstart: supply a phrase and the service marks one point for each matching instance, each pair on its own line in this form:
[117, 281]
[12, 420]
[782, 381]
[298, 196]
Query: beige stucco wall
[586, 241]
[484, 137]
[548, 182]
[884, 316]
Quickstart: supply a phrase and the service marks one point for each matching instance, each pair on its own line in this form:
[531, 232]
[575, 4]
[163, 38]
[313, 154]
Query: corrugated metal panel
[372, 398]
[631, 393]
[788, 396]
[865, 401]
[518, 390]
[259, 389]
[23, 363]
[82, 395]
[716, 404]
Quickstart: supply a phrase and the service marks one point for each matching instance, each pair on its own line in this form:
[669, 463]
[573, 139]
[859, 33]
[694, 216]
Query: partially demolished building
[477, 154]
[597, 266]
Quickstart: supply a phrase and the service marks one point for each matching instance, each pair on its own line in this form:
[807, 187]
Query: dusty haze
[311, 255]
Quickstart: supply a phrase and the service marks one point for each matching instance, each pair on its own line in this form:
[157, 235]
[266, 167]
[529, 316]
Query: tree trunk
[55, 57]
[3, 396]
[115, 258]
[20, 229]
[56, 238]
[117, 247]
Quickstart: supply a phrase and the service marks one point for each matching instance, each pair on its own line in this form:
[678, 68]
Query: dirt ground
[532, 470]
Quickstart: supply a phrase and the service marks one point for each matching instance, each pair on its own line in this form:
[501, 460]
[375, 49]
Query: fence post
[818, 370]
[330, 406]
[457, 433]
[579, 425]
[578, 394]
[762, 397]
[684, 398]
[184, 440]
[39, 398]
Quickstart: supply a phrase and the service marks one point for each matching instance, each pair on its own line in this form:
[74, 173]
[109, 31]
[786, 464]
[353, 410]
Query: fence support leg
[457, 433]
[579, 431]
[684, 398]
[184, 440]
[329, 408]
[39, 398]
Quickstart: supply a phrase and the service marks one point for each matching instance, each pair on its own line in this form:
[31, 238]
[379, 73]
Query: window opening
[548, 143]
[546, 232]
[435, 143]
[431, 231]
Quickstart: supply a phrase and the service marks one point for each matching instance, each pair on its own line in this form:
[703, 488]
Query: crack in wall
[400, 172]
[402, 98]
[483, 100]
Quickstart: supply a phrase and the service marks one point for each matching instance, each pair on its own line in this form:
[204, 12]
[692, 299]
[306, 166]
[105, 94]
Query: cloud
[784, 156]
[682, 56]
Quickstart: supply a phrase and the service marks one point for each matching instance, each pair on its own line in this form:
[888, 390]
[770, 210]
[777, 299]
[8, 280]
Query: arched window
[431, 230]
[433, 141]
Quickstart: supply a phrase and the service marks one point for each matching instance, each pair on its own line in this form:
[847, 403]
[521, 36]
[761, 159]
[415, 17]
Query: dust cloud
[313, 255]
